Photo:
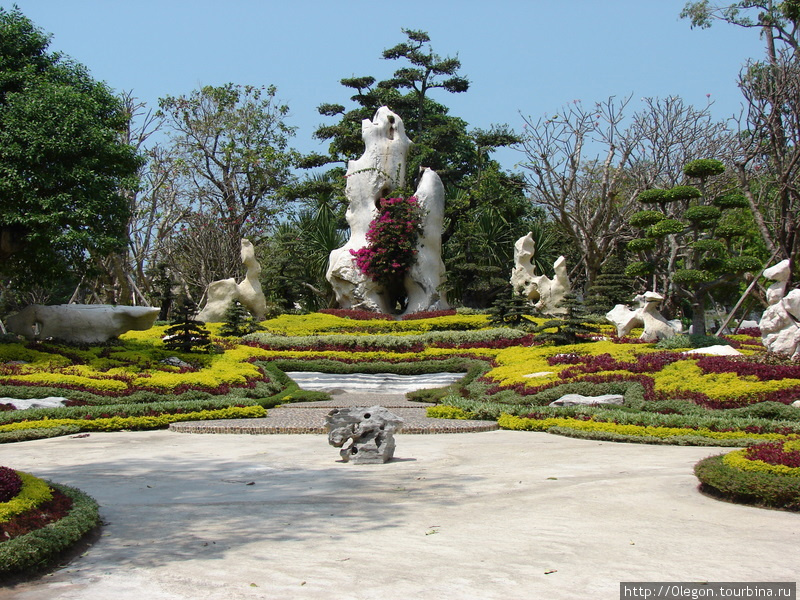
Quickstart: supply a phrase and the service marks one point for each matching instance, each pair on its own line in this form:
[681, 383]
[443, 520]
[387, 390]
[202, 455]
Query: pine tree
[186, 334]
[611, 287]
[569, 329]
[238, 321]
[510, 309]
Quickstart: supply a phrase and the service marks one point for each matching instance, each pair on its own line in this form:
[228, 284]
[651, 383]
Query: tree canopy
[63, 163]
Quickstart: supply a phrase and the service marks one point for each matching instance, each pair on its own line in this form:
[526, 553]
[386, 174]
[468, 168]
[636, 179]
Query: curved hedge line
[747, 487]
[38, 549]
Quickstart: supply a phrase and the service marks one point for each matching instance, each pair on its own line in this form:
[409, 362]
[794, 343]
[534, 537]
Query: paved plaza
[478, 514]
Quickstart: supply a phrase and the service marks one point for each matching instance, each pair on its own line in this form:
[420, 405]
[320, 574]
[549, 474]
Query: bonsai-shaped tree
[238, 321]
[689, 235]
[571, 328]
[611, 287]
[510, 309]
[186, 334]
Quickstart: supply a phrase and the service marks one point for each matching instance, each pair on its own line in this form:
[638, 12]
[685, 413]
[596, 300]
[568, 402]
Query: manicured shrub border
[40, 548]
[726, 482]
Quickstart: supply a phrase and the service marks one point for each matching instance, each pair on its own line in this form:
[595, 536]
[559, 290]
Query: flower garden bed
[39, 521]
[670, 397]
[765, 475]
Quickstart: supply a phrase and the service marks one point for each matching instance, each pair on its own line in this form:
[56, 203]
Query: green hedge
[40, 548]
[747, 487]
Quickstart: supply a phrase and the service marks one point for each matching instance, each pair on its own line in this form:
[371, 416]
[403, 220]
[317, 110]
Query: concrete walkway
[490, 515]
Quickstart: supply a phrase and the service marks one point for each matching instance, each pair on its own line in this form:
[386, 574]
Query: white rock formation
[779, 273]
[80, 323]
[717, 350]
[780, 325]
[381, 169]
[221, 293]
[656, 327]
[426, 275]
[49, 402]
[579, 400]
[546, 294]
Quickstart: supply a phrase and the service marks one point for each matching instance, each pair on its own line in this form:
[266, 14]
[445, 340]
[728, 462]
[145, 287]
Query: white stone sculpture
[580, 400]
[80, 323]
[427, 273]
[546, 294]
[370, 431]
[221, 293]
[656, 327]
[381, 169]
[780, 323]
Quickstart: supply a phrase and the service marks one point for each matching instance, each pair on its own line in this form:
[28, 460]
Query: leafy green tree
[688, 244]
[62, 161]
[767, 162]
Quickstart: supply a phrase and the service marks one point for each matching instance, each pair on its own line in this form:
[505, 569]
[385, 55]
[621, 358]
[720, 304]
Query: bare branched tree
[586, 166]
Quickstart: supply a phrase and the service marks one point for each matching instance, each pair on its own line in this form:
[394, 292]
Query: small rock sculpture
[381, 169]
[780, 323]
[546, 294]
[221, 293]
[80, 323]
[656, 327]
[580, 400]
[370, 431]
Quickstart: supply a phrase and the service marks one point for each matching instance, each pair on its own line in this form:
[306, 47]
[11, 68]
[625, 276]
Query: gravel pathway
[309, 417]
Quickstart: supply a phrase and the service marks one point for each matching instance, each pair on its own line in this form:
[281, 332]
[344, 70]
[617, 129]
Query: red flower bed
[10, 484]
[764, 372]
[36, 518]
[587, 363]
[429, 314]
[773, 453]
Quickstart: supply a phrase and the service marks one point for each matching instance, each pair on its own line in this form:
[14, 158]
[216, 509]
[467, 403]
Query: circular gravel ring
[312, 420]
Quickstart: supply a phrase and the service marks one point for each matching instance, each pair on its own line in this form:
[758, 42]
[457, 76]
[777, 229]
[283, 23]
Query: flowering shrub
[392, 238]
[10, 484]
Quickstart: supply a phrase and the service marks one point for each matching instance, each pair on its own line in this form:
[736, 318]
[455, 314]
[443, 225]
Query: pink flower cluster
[392, 238]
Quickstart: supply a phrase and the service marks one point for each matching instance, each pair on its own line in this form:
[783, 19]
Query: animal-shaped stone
[656, 327]
[221, 293]
[80, 323]
[546, 294]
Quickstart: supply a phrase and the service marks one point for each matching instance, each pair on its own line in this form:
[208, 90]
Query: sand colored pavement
[490, 515]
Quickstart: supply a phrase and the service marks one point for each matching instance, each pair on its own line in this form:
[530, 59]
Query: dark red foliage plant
[10, 484]
[773, 453]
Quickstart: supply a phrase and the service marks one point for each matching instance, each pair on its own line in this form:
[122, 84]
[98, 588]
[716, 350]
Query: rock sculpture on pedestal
[80, 323]
[380, 170]
[221, 293]
[546, 294]
[780, 323]
[656, 327]
[370, 431]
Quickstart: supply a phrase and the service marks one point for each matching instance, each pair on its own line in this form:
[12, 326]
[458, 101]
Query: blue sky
[521, 56]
